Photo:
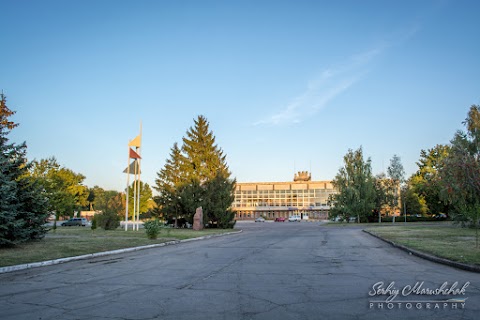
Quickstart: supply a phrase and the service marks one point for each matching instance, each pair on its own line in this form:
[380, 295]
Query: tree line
[31, 192]
[196, 175]
[446, 183]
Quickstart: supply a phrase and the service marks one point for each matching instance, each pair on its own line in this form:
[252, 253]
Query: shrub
[108, 220]
[152, 228]
[94, 223]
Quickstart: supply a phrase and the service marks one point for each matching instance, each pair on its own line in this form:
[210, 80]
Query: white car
[294, 218]
[260, 219]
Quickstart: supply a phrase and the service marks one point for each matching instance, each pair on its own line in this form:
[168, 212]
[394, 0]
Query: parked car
[294, 218]
[75, 222]
[280, 219]
[260, 219]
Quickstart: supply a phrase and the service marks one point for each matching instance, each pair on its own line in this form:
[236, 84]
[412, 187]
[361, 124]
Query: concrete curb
[106, 253]
[426, 256]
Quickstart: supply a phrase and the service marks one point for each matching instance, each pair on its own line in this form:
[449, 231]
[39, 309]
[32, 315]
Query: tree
[426, 181]
[460, 172]
[381, 197]
[217, 203]
[396, 174]
[63, 186]
[145, 198]
[23, 204]
[196, 175]
[356, 190]
[90, 199]
[202, 158]
[169, 179]
[104, 200]
[413, 203]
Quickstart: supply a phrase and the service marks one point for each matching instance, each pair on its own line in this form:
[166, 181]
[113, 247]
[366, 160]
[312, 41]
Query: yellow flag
[135, 142]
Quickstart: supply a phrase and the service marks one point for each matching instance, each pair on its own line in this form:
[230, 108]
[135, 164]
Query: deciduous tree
[460, 172]
[396, 174]
[355, 185]
[145, 198]
[425, 182]
[64, 187]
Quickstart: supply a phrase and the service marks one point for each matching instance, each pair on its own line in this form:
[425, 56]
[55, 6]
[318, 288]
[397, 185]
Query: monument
[198, 219]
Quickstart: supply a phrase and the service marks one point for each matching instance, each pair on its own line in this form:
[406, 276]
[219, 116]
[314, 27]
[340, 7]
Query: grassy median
[440, 239]
[74, 241]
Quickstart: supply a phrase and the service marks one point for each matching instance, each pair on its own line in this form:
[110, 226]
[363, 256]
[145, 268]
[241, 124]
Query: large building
[283, 199]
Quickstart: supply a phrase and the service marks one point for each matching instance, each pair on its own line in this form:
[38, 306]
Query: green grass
[440, 239]
[74, 241]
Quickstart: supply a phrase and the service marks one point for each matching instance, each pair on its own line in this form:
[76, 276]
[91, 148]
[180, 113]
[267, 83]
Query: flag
[135, 142]
[131, 168]
[134, 155]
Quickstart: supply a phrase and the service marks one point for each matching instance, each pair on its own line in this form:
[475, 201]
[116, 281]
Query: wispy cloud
[325, 87]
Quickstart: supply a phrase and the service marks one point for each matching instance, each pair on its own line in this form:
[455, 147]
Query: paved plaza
[269, 271]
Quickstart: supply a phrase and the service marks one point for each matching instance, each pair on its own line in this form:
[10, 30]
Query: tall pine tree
[202, 158]
[168, 181]
[23, 205]
[197, 175]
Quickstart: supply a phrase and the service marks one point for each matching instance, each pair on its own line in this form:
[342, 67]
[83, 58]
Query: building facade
[271, 200]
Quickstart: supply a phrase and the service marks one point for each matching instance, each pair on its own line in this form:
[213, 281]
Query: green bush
[94, 222]
[152, 228]
[108, 220]
[409, 219]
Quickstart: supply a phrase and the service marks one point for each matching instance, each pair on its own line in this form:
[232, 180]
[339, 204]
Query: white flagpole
[139, 189]
[135, 194]
[139, 172]
[128, 185]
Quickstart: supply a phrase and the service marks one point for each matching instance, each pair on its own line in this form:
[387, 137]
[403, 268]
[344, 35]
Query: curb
[106, 253]
[426, 256]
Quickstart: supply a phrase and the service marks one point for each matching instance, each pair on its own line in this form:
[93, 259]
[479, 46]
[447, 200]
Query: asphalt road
[270, 271]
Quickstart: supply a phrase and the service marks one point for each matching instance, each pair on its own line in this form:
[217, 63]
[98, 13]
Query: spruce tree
[202, 158]
[196, 175]
[167, 184]
[204, 165]
[23, 205]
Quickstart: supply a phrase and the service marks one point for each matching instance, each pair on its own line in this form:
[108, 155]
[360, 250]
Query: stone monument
[198, 219]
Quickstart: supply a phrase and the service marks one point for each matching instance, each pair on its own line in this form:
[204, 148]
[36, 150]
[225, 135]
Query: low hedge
[411, 219]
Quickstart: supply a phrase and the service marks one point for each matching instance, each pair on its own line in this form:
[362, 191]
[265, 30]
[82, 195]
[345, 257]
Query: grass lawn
[440, 239]
[74, 241]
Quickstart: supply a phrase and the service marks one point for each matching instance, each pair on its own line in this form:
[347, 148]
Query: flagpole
[135, 167]
[139, 181]
[139, 187]
[137, 197]
[134, 194]
[128, 184]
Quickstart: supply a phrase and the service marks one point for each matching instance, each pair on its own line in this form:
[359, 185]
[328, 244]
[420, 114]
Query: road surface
[269, 271]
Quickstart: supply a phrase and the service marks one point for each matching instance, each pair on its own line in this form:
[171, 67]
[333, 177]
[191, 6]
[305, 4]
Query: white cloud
[329, 84]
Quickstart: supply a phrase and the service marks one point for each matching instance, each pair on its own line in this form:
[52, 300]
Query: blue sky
[286, 85]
